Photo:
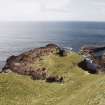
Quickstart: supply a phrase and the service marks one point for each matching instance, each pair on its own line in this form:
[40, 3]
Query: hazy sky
[46, 10]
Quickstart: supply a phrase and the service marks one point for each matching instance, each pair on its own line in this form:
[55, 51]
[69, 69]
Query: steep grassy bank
[80, 88]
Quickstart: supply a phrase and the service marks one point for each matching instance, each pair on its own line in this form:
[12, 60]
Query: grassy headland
[79, 88]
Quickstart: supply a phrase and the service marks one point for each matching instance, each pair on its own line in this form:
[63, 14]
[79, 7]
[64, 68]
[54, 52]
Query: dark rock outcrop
[85, 66]
[52, 79]
[96, 59]
[97, 66]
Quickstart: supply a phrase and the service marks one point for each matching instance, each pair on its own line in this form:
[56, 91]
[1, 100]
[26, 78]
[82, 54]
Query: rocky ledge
[22, 64]
[92, 48]
[94, 59]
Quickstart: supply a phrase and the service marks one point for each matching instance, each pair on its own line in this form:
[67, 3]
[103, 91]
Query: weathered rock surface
[92, 49]
[21, 64]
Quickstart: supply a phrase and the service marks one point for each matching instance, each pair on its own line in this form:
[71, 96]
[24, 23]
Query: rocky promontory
[16, 63]
[24, 63]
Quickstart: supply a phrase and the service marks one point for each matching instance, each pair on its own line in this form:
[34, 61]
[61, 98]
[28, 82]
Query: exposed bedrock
[22, 63]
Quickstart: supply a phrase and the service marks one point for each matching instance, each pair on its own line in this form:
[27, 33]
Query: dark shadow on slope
[83, 65]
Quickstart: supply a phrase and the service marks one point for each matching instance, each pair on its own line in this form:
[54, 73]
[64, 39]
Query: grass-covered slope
[79, 88]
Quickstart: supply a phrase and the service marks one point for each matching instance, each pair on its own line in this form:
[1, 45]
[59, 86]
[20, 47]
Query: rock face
[21, 64]
[91, 49]
[94, 61]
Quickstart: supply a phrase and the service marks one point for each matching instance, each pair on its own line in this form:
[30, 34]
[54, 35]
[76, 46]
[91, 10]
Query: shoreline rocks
[22, 64]
[91, 49]
[94, 60]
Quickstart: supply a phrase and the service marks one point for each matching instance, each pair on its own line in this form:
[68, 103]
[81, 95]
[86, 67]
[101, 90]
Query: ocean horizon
[17, 37]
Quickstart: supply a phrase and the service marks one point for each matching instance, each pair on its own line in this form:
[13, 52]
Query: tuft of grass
[80, 88]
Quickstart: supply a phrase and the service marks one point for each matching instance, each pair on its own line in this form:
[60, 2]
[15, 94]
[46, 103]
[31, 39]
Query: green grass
[80, 88]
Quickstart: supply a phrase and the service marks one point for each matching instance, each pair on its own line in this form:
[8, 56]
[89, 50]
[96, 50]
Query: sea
[18, 37]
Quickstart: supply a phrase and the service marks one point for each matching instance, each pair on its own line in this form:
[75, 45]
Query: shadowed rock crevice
[83, 65]
[97, 66]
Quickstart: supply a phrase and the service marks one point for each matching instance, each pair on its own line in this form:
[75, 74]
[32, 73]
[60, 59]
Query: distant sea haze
[17, 37]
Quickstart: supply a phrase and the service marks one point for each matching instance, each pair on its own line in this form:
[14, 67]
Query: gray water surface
[17, 37]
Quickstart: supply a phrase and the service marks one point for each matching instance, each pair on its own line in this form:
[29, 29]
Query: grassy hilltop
[79, 88]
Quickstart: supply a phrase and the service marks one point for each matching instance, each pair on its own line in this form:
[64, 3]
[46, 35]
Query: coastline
[16, 88]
